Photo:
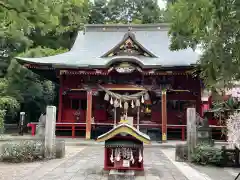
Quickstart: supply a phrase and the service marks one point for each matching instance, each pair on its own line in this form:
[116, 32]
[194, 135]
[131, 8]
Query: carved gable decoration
[129, 46]
[125, 68]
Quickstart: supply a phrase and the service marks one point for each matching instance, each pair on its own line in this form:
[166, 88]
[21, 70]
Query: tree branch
[8, 7]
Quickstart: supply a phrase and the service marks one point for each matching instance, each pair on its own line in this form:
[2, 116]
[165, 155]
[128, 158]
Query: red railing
[81, 126]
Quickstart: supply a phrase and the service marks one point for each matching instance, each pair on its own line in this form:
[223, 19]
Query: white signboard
[130, 120]
[126, 163]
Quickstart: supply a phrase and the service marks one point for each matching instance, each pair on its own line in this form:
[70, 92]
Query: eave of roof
[124, 128]
[96, 40]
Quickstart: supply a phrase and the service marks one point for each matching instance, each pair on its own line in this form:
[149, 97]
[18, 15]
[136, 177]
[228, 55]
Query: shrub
[205, 154]
[22, 151]
[2, 115]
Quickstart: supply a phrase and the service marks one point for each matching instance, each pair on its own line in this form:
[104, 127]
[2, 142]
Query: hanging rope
[123, 97]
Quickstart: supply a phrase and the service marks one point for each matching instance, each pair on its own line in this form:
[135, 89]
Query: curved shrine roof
[96, 40]
[124, 128]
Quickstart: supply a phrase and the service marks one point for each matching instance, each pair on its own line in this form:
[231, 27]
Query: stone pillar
[21, 123]
[50, 132]
[191, 131]
[164, 116]
[89, 115]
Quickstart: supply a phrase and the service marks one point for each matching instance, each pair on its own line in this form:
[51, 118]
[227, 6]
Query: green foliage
[36, 28]
[215, 25]
[33, 92]
[28, 24]
[22, 151]
[98, 12]
[205, 155]
[2, 115]
[8, 104]
[124, 11]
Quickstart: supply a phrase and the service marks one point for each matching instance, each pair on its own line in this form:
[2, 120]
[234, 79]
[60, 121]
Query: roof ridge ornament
[129, 46]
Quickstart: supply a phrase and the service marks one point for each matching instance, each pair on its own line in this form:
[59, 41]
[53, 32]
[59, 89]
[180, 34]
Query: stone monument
[204, 133]
[40, 131]
[191, 131]
[50, 136]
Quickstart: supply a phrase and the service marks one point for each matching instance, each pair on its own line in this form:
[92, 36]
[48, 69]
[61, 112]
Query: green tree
[24, 27]
[32, 23]
[98, 12]
[8, 104]
[32, 91]
[124, 11]
[215, 25]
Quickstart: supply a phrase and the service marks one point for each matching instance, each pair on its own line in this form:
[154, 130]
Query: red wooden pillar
[60, 100]
[105, 158]
[89, 115]
[183, 133]
[73, 130]
[164, 116]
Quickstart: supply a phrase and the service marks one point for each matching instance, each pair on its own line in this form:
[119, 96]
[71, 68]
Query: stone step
[121, 175]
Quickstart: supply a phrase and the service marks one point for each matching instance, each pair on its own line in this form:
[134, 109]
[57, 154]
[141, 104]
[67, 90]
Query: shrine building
[122, 72]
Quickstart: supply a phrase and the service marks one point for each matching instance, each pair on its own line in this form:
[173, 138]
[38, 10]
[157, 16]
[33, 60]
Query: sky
[161, 3]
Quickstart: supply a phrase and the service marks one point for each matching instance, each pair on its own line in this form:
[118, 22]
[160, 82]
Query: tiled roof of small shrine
[96, 40]
[124, 128]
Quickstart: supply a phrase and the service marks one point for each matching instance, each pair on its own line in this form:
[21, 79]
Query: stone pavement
[84, 142]
[217, 173]
[197, 172]
[87, 164]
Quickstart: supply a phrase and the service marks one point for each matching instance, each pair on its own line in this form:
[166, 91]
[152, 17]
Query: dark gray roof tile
[92, 43]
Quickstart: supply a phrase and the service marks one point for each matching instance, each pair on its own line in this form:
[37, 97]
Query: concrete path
[87, 164]
[215, 173]
[83, 142]
[197, 172]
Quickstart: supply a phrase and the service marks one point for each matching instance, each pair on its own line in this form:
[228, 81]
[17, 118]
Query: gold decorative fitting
[147, 110]
[123, 121]
[110, 55]
[164, 92]
[63, 72]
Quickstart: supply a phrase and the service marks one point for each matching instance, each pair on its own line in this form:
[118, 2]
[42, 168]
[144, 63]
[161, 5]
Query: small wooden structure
[124, 148]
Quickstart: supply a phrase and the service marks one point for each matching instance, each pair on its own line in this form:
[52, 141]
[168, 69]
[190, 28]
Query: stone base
[118, 175]
[60, 148]
[122, 173]
[181, 152]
